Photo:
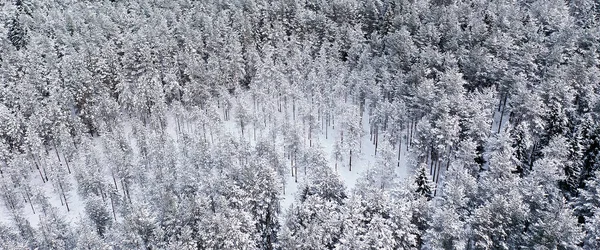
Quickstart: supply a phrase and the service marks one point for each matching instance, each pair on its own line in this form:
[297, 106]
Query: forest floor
[361, 162]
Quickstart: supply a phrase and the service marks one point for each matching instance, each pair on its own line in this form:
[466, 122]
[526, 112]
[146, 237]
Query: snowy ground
[361, 162]
[50, 190]
[365, 160]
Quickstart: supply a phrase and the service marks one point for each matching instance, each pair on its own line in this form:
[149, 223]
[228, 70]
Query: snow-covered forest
[284, 124]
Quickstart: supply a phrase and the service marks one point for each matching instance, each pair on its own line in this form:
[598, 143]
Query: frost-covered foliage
[178, 124]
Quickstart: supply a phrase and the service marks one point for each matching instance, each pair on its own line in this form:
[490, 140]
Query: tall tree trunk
[112, 205]
[126, 189]
[45, 173]
[64, 195]
[296, 170]
[310, 135]
[204, 131]
[502, 113]
[350, 166]
[40, 170]
[433, 167]
[437, 178]
[178, 124]
[427, 157]
[242, 125]
[56, 150]
[399, 149]
[409, 142]
[37, 165]
[102, 194]
[67, 163]
[29, 200]
[114, 181]
[376, 140]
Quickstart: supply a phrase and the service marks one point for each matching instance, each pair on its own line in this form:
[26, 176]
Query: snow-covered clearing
[361, 162]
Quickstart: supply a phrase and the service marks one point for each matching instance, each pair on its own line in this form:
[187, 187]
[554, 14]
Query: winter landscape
[285, 124]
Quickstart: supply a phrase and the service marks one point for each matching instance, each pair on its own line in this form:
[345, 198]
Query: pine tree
[17, 32]
[98, 214]
[423, 183]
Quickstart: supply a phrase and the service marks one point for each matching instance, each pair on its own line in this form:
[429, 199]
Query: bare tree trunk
[376, 140]
[500, 122]
[112, 205]
[448, 159]
[500, 102]
[61, 199]
[67, 163]
[399, 149]
[45, 173]
[178, 124]
[502, 113]
[102, 194]
[350, 166]
[437, 178]
[285, 105]
[39, 170]
[29, 200]
[409, 142]
[126, 190]
[427, 157]
[37, 165]
[56, 150]
[296, 168]
[64, 195]
[114, 180]
[433, 170]
[242, 125]
[204, 131]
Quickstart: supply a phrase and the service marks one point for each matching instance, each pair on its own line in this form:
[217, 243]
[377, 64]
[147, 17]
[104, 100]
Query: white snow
[362, 161]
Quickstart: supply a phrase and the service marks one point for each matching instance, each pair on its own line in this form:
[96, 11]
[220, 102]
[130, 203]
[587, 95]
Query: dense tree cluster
[174, 124]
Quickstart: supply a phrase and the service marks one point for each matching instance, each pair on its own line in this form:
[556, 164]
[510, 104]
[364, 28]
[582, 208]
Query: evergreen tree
[423, 183]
